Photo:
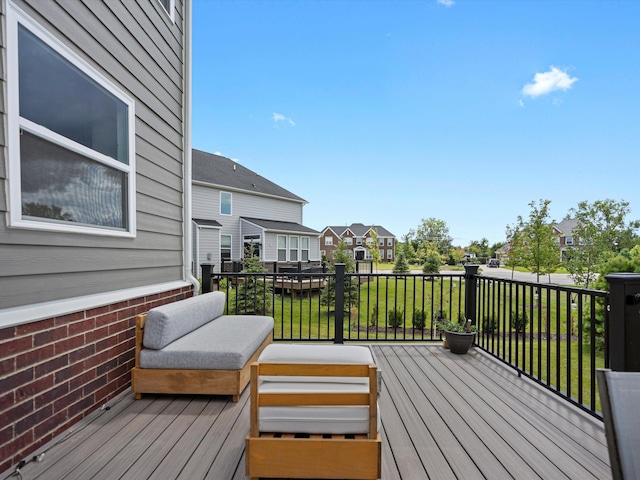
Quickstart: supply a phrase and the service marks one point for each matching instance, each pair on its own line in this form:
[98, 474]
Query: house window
[358, 241]
[389, 254]
[293, 248]
[304, 249]
[569, 241]
[225, 203]
[328, 240]
[381, 242]
[369, 241]
[282, 248]
[169, 7]
[225, 247]
[71, 138]
[389, 242]
[348, 241]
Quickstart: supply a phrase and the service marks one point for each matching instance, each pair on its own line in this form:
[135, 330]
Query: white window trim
[308, 249]
[16, 16]
[286, 248]
[231, 202]
[296, 249]
[230, 248]
[328, 241]
[172, 10]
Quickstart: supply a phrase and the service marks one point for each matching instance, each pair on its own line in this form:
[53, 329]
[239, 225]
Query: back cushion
[169, 322]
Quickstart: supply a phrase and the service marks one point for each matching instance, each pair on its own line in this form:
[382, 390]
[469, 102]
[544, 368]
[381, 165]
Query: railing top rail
[550, 286]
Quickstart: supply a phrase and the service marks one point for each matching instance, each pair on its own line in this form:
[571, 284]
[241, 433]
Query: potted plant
[458, 336]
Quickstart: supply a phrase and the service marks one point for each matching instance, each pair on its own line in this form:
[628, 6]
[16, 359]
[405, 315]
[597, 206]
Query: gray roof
[224, 172]
[566, 226]
[207, 223]
[360, 230]
[279, 226]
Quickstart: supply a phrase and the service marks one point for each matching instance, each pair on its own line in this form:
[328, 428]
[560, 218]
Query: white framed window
[359, 241]
[70, 138]
[369, 241]
[169, 7]
[304, 248]
[389, 254]
[389, 242]
[225, 247]
[282, 248]
[328, 240]
[381, 242]
[293, 248]
[569, 241]
[348, 240]
[225, 203]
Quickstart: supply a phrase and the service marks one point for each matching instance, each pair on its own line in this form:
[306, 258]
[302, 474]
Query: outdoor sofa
[190, 347]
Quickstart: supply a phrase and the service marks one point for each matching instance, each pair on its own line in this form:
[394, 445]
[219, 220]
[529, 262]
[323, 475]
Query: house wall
[55, 368]
[208, 242]
[206, 205]
[134, 45]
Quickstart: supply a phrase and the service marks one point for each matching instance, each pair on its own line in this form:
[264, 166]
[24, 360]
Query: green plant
[373, 319]
[395, 318]
[254, 294]
[489, 325]
[519, 321]
[419, 319]
[462, 326]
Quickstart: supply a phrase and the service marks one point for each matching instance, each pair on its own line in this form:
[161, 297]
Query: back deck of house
[443, 416]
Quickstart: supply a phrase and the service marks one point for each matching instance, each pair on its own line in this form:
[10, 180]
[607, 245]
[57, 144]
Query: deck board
[443, 416]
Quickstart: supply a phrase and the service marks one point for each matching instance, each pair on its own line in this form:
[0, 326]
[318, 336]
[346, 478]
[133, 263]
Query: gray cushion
[224, 344]
[169, 322]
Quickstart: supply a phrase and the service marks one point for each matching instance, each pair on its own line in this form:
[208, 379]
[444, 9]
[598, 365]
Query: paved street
[556, 278]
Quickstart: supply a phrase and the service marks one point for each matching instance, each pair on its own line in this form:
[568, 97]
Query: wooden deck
[443, 416]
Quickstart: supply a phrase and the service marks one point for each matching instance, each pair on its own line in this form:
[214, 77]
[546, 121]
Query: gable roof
[359, 230]
[224, 172]
[280, 226]
[566, 226]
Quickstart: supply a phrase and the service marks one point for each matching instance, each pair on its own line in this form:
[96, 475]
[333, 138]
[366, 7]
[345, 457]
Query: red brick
[96, 334]
[7, 400]
[52, 365]
[6, 434]
[71, 317]
[94, 312]
[50, 336]
[16, 346]
[107, 319]
[18, 411]
[7, 333]
[7, 366]
[18, 443]
[115, 328]
[81, 326]
[52, 395]
[118, 306]
[62, 404]
[81, 380]
[69, 344]
[106, 366]
[34, 419]
[69, 372]
[36, 355]
[81, 406]
[17, 380]
[92, 387]
[31, 389]
[33, 327]
[51, 424]
[82, 353]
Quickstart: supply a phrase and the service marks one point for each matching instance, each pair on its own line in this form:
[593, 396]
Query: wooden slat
[314, 370]
[312, 399]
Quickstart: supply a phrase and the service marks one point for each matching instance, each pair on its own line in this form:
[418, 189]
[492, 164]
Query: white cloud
[447, 3]
[547, 82]
[278, 117]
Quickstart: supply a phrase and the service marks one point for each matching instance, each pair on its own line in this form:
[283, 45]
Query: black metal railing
[554, 335]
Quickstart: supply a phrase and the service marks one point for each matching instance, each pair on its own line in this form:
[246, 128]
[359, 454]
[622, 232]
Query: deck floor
[443, 416]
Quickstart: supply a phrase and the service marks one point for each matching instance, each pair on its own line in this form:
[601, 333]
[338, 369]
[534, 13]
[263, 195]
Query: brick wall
[54, 372]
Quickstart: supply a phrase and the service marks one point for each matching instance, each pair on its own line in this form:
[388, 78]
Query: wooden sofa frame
[199, 382]
[287, 455]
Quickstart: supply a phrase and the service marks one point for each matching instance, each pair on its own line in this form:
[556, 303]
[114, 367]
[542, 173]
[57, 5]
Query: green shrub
[489, 325]
[519, 321]
[373, 319]
[395, 318]
[419, 319]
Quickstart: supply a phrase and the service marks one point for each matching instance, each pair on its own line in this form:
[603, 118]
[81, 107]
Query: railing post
[624, 322]
[207, 271]
[339, 313]
[470, 309]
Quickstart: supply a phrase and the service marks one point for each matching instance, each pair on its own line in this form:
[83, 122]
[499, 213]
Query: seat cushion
[226, 343]
[171, 321]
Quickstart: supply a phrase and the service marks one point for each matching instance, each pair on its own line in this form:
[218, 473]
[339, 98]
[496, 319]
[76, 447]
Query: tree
[373, 248]
[253, 295]
[432, 262]
[351, 284]
[401, 265]
[600, 230]
[540, 253]
[435, 231]
[480, 248]
[516, 248]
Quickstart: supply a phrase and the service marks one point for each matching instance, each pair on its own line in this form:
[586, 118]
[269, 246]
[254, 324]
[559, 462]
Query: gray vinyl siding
[135, 46]
[206, 204]
[206, 240]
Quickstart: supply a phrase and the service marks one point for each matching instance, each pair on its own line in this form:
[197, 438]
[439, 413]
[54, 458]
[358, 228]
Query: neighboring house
[358, 237]
[565, 237]
[235, 210]
[96, 220]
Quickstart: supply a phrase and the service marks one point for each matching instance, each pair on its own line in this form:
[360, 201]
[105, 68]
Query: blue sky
[388, 112]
